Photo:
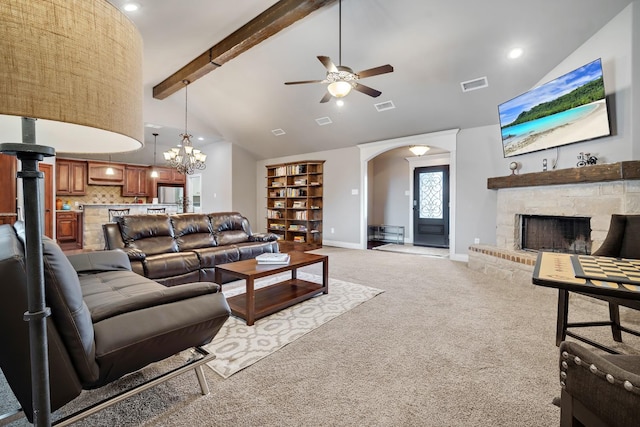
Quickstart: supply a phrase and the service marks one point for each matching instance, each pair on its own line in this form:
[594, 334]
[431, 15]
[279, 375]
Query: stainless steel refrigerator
[171, 195]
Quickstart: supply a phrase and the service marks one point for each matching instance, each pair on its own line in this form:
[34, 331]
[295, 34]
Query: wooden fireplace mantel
[629, 170]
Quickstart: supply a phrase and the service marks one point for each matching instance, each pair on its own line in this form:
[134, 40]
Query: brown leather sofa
[182, 248]
[105, 320]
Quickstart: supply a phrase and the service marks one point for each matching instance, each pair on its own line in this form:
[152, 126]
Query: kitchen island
[97, 214]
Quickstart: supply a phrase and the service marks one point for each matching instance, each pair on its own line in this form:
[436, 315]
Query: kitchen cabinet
[71, 177]
[135, 181]
[169, 176]
[69, 229]
[8, 169]
[97, 173]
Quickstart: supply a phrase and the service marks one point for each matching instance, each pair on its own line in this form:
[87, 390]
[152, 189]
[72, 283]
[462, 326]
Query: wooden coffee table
[257, 303]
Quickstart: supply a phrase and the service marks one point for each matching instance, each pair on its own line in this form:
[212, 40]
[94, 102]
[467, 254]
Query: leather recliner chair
[106, 321]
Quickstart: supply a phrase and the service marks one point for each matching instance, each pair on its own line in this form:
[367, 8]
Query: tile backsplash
[102, 194]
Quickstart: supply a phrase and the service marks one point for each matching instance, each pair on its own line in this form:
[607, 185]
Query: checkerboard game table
[610, 277]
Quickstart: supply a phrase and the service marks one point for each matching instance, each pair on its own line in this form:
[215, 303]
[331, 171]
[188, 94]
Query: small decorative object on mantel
[585, 159]
[514, 166]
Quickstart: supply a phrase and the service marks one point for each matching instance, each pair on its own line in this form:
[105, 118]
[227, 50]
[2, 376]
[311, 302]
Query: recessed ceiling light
[200, 138]
[339, 102]
[323, 121]
[515, 53]
[131, 7]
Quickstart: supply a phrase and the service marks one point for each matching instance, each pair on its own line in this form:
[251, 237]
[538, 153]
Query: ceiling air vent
[278, 132]
[323, 121]
[384, 106]
[474, 84]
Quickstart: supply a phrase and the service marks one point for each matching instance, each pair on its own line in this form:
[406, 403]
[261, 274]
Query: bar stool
[117, 212]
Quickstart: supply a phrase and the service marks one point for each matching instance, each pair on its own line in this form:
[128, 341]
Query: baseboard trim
[339, 244]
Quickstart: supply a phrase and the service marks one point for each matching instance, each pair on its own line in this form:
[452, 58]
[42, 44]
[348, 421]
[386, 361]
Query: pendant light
[184, 158]
[419, 150]
[154, 172]
[109, 170]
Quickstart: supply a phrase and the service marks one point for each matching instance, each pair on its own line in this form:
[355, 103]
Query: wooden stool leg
[614, 316]
[563, 313]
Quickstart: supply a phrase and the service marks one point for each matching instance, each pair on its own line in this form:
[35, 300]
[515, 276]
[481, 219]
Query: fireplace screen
[556, 234]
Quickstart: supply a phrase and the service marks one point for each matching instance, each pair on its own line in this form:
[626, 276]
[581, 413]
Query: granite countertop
[9, 214]
[93, 205]
[69, 210]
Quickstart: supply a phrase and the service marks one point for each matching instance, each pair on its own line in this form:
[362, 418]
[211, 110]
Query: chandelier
[184, 158]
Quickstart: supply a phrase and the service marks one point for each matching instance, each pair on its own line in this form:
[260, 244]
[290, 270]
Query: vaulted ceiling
[432, 45]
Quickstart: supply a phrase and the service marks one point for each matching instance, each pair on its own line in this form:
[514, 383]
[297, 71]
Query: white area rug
[416, 250]
[238, 346]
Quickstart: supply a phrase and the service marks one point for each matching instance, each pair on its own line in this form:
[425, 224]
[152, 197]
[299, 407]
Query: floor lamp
[73, 69]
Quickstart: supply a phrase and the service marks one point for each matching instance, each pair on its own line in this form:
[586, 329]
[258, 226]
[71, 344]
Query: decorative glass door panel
[431, 206]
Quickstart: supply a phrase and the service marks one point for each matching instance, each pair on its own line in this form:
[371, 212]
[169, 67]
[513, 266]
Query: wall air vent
[278, 132]
[384, 106]
[323, 121]
[474, 84]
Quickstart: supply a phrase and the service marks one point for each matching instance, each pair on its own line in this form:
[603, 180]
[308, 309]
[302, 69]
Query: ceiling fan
[342, 79]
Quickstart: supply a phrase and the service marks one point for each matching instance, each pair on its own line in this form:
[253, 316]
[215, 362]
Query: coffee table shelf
[274, 298]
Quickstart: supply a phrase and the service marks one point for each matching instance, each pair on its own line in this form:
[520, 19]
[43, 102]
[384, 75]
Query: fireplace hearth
[565, 234]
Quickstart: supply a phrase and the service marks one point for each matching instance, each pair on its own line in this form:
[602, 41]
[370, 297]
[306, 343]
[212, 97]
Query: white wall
[243, 185]
[217, 178]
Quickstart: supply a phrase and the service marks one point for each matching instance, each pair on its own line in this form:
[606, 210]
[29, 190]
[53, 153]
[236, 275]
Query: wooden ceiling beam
[271, 21]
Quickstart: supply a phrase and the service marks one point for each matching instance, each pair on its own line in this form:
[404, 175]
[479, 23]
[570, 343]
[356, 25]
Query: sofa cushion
[230, 237]
[223, 221]
[250, 250]
[111, 293]
[69, 311]
[192, 231]
[150, 234]
[210, 257]
[170, 264]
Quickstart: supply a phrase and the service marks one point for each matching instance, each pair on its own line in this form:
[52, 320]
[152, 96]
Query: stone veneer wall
[595, 200]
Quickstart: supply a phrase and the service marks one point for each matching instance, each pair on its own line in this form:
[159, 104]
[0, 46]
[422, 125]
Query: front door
[431, 206]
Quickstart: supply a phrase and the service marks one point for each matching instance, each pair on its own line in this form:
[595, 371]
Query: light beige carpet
[238, 346]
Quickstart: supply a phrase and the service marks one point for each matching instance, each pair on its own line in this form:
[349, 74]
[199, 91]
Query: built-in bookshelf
[294, 204]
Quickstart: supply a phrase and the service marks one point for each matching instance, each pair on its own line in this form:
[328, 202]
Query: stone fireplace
[594, 192]
[552, 233]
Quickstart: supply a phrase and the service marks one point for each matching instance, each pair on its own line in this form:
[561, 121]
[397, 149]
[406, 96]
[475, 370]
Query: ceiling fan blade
[328, 64]
[375, 71]
[367, 90]
[325, 98]
[303, 82]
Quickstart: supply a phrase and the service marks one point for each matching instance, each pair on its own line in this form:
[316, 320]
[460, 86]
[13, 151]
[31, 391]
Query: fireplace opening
[565, 234]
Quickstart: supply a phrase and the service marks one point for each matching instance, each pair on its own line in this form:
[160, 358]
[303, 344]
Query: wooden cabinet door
[66, 227]
[71, 177]
[135, 181]
[63, 178]
[78, 178]
[8, 170]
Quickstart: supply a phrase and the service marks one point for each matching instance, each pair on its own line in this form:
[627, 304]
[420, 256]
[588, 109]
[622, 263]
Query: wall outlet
[476, 240]
[333, 230]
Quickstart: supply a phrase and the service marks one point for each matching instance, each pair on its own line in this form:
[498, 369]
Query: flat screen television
[571, 108]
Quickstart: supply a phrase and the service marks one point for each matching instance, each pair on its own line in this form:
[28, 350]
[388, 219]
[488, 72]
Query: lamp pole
[30, 154]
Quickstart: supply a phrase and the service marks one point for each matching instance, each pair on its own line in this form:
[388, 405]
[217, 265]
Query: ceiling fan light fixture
[339, 89]
[419, 150]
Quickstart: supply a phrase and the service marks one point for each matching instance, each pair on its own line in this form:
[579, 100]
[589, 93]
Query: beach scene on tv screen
[569, 109]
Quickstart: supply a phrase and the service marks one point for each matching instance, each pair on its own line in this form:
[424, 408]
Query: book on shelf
[273, 258]
[298, 239]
